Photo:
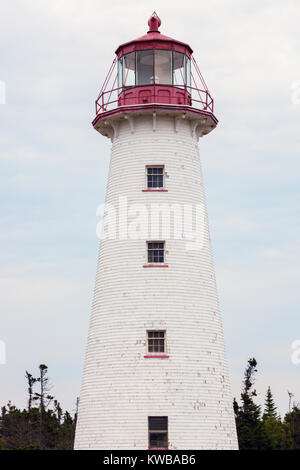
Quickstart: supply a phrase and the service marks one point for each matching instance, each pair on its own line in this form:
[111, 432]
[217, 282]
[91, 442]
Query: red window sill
[155, 265]
[151, 190]
[157, 356]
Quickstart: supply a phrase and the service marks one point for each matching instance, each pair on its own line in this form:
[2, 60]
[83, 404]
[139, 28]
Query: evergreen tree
[270, 408]
[37, 427]
[292, 419]
[277, 434]
[250, 429]
[44, 399]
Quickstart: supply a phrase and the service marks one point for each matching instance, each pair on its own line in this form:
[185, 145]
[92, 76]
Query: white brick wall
[120, 387]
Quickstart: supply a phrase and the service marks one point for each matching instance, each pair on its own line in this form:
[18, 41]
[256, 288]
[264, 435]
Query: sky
[54, 57]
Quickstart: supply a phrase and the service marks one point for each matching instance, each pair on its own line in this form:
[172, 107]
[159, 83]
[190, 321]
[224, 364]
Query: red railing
[190, 96]
[112, 97]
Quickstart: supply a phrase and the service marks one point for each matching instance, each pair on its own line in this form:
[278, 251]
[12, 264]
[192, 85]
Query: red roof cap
[154, 22]
[154, 36]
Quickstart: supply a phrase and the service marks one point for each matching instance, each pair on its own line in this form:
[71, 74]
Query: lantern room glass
[188, 73]
[161, 67]
[144, 67]
[120, 72]
[129, 69]
[179, 69]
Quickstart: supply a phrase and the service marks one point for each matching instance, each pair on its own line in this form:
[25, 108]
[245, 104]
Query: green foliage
[278, 434]
[267, 432]
[292, 419]
[43, 427]
[270, 408]
[37, 427]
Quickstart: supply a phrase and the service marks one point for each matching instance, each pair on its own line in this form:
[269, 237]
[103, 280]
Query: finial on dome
[154, 23]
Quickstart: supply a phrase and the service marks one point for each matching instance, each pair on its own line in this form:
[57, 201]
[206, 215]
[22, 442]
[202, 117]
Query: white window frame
[160, 188]
[164, 250]
[158, 353]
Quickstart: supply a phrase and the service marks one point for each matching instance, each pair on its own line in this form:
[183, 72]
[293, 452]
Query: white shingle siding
[120, 387]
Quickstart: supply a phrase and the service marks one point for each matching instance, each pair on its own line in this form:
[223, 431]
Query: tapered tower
[155, 372]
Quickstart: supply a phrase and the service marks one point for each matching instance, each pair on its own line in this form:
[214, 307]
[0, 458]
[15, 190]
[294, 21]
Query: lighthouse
[155, 373]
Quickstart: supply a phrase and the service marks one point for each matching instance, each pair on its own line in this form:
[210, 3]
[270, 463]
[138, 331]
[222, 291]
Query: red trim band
[162, 356]
[155, 265]
[151, 190]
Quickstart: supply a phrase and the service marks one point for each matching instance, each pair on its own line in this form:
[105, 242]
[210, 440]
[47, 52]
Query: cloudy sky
[54, 56]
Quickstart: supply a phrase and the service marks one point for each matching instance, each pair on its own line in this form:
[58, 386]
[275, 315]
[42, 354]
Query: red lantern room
[154, 71]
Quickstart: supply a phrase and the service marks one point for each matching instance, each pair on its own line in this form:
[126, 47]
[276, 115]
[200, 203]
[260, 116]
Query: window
[158, 432]
[188, 73]
[163, 67]
[149, 66]
[179, 77]
[144, 67]
[155, 177]
[156, 341]
[129, 69]
[156, 252]
[120, 73]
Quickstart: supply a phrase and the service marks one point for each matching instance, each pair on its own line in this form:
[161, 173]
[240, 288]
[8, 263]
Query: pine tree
[293, 420]
[270, 408]
[277, 433]
[250, 430]
[44, 399]
[37, 427]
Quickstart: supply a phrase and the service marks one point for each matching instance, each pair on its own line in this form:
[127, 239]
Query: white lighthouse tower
[155, 374]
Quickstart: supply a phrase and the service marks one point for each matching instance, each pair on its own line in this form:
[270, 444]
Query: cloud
[43, 317]
[55, 56]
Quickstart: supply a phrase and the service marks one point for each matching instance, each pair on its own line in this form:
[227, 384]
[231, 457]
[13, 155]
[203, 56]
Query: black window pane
[158, 440]
[155, 177]
[158, 423]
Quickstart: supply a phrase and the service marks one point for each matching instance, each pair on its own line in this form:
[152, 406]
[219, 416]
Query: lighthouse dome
[155, 71]
[156, 39]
